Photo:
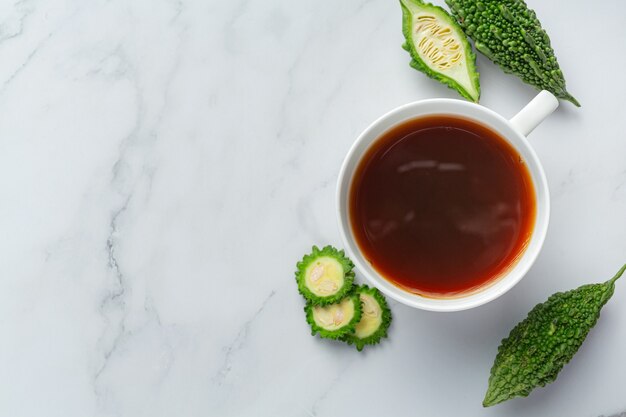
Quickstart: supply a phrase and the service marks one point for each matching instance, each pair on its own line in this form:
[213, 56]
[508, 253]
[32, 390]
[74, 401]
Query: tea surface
[441, 205]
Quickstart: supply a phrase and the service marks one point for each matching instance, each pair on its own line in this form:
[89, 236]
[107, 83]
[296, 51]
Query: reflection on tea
[441, 205]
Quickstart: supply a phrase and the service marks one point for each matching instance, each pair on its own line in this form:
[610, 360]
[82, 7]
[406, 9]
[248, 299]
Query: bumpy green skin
[338, 333]
[379, 334]
[418, 64]
[509, 34]
[340, 256]
[538, 347]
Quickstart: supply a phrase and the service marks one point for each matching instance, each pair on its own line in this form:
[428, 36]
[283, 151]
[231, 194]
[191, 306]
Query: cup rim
[483, 295]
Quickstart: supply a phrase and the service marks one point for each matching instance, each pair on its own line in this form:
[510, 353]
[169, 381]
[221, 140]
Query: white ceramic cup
[515, 132]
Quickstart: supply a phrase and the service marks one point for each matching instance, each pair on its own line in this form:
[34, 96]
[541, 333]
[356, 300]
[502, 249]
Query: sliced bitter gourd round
[375, 319]
[325, 275]
[334, 320]
[439, 48]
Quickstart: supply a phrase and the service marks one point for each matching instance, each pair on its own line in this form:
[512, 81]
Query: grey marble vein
[113, 306]
[239, 342]
[164, 164]
[24, 64]
[24, 12]
[321, 398]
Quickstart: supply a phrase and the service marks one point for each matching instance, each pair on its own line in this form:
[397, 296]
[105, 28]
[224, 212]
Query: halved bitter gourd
[375, 319]
[334, 320]
[324, 276]
[439, 48]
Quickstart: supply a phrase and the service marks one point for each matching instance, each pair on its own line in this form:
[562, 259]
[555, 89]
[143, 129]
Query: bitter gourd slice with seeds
[439, 48]
[325, 275]
[334, 320]
[537, 348]
[375, 319]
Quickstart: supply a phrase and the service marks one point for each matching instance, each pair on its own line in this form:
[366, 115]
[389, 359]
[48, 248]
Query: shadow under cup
[442, 210]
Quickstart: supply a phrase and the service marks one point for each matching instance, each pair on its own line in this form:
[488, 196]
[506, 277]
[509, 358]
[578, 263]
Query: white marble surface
[164, 164]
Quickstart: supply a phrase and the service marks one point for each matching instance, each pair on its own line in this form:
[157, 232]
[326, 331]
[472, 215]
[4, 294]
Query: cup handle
[538, 109]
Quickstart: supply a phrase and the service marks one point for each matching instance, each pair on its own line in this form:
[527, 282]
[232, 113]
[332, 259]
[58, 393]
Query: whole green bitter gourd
[537, 348]
[509, 34]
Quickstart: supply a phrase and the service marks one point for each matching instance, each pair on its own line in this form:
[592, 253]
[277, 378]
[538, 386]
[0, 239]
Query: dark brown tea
[441, 205]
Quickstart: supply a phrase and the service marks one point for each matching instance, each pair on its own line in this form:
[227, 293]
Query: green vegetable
[375, 319]
[335, 320]
[325, 275]
[509, 33]
[439, 48]
[538, 347]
